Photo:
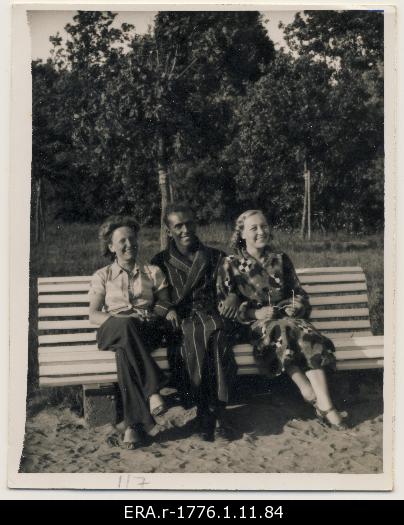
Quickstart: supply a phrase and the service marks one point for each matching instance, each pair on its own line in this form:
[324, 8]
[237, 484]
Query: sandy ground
[277, 432]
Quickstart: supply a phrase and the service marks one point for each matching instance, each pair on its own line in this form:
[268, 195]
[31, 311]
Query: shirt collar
[116, 270]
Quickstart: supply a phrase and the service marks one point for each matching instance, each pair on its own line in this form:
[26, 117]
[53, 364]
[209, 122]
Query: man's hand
[173, 318]
[229, 307]
[266, 312]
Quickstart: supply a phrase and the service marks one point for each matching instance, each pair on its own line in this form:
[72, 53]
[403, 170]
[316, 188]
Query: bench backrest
[338, 296]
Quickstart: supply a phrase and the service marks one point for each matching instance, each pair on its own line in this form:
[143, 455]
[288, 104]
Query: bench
[68, 353]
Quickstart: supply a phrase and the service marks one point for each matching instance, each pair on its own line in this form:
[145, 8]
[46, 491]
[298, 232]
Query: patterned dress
[282, 342]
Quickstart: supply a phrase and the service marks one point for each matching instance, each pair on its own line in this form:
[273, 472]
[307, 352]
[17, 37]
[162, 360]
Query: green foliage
[311, 107]
[231, 120]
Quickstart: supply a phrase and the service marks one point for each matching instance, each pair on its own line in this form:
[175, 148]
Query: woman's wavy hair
[108, 227]
[237, 242]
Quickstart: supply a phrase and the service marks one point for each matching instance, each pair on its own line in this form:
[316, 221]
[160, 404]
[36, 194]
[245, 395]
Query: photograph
[209, 283]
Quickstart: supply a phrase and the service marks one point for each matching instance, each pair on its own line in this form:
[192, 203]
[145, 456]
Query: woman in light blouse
[128, 302]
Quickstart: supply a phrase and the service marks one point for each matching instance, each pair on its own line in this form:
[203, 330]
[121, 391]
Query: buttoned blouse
[121, 289]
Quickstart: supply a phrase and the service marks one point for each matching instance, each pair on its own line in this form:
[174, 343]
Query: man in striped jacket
[206, 351]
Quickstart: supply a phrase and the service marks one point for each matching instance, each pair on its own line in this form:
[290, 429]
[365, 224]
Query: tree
[312, 107]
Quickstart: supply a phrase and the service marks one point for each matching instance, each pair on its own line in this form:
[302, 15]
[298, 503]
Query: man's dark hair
[176, 208]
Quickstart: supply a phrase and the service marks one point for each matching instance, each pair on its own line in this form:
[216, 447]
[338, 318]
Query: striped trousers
[208, 358]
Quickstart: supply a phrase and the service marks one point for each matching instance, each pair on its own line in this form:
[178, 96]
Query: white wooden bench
[68, 354]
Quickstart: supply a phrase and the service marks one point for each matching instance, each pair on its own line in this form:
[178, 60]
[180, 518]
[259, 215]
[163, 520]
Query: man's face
[182, 229]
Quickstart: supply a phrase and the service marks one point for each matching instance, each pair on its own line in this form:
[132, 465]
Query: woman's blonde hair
[237, 242]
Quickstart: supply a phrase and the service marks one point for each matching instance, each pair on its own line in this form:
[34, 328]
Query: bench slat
[339, 312]
[67, 338]
[83, 286]
[63, 299]
[347, 334]
[353, 343]
[334, 325]
[96, 355]
[59, 299]
[77, 380]
[91, 336]
[332, 278]
[65, 279]
[360, 364]
[325, 300]
[68, 311]
[90, 367]
[74, 324]
[92, 363]
[315, 314]
[63, 287]
[299, 271]
[329, 269]
[331, 288]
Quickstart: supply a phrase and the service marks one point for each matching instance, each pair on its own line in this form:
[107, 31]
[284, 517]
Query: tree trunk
[165, 189]
[39, 219]
[304, 216]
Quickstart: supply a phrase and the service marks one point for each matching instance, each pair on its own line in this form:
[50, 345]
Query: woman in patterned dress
[270, 300]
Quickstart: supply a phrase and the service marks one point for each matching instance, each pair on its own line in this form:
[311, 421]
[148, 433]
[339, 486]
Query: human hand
[229, 307]
[290, 310]
[266, 312]
[172, 317]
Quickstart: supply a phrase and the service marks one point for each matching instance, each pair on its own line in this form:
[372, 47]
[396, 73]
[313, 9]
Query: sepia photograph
[209, 235]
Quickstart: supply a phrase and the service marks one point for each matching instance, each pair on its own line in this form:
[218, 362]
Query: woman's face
[255, 232]
[124, 244]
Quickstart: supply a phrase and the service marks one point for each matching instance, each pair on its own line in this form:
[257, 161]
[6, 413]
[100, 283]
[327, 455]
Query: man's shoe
[206, 427]
[225, 431]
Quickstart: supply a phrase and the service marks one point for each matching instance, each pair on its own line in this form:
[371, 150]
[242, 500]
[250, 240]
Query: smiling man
[191, 270]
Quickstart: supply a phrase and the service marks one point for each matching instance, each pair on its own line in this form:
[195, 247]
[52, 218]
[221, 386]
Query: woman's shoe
[157, 405]
[322, 416]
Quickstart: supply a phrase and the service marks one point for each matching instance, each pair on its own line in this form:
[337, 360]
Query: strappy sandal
[322, 417]
[157, 405]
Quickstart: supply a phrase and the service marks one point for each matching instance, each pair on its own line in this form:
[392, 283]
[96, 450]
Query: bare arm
[96, 315]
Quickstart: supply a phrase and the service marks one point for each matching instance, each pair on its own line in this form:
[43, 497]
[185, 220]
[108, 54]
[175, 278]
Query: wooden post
[308, 205]
[304, 216]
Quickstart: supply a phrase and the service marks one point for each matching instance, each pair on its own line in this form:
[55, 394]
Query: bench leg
[101, 404]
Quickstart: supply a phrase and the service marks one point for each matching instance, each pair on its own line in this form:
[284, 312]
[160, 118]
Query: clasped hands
[269, 312]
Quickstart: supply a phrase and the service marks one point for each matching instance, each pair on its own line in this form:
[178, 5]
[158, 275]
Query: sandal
[322, 416]
[157, 405]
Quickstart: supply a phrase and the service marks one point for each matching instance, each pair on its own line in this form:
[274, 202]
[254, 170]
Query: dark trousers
[138, 374]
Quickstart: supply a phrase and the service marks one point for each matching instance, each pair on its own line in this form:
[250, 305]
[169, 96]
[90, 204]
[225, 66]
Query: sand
[276, 432]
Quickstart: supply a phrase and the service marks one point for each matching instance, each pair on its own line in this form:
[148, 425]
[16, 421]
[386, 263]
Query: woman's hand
[229, 307]
[266, 312]
[172, 317]
[293, 310]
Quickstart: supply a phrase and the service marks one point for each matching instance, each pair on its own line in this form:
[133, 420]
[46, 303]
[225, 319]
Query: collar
[269, 257]
[116, 270]
[176, 257]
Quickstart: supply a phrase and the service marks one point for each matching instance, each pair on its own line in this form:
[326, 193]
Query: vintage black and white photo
[209, 236]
